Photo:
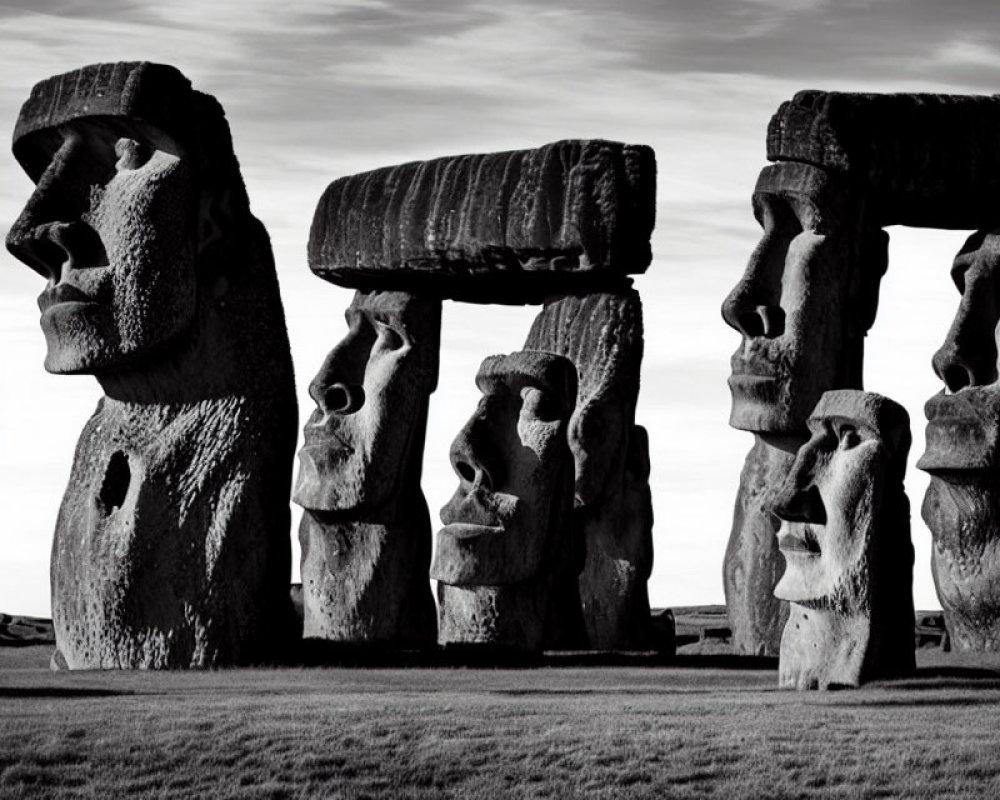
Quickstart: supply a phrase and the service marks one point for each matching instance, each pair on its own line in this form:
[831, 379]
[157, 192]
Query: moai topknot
[849, 165]
[601, 334]
[962, 504]
[569, 218]
[845, 537]
[365, 533]
[171, 547]
[508, 557]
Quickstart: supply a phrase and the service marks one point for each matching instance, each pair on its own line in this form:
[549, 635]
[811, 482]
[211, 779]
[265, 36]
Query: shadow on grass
[58, 691]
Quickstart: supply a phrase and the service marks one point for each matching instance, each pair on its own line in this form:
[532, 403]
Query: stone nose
[338, 387]
[475, 456]
[753, 307]
[798, 498]
[968, 356]
[56, 248]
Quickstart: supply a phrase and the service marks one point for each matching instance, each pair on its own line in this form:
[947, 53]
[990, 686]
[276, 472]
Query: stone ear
[214, 219]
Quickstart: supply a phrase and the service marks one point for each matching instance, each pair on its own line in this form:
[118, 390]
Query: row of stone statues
[171, 547]
[848, 165]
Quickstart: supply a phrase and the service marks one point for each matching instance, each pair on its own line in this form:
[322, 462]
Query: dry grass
[568, 732]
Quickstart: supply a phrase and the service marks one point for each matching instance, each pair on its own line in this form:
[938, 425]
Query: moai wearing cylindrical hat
[171, 548]
[849, 164]
[845, 538]
[601, 333]
[962, 504]
[508, 556]
[365, 532]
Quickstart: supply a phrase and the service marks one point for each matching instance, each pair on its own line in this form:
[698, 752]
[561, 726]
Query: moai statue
[172, 543]
[803, 306]
[845, 537]
[601, 334]
[366, 533]
[962, 504]
[506, 561]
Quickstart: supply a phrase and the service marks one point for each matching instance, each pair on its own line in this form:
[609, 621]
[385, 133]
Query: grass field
[610, 732]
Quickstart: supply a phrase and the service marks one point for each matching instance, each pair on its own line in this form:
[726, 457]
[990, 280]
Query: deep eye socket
[388, 337]
[131, 153]
[848, 437]
[538, 405]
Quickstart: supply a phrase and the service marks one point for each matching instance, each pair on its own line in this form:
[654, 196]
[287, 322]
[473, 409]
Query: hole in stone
[116, 482]
[465, 472]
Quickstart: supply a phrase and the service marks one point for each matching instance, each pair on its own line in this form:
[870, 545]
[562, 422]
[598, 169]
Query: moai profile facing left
[962, 504]
[845, 537]
[508, 556]
[365, 533]
[171, 547]
[849, 164]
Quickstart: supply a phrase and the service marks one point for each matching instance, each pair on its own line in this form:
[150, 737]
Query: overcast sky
[315, 91]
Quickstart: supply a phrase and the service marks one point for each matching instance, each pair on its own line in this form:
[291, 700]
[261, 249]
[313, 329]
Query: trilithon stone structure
[845, 537]
[564, 224]
[507, 559]
[962, 504]
[171, 547]
[601, 333]
[848, 164]
[365, 533]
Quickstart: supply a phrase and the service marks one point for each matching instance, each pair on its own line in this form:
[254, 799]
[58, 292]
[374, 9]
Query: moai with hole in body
[848, 165]
[568, 220]
[171, 546]
[845, 538]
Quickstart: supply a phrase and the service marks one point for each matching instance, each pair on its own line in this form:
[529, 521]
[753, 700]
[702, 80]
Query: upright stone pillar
[962, 504]
[365, 533]
[171, 547]
[601, 334]
[845, 537]
[508, 557]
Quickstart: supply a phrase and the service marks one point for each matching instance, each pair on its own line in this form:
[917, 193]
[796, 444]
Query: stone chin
[804, 580]
[326, 481]
[761, 405]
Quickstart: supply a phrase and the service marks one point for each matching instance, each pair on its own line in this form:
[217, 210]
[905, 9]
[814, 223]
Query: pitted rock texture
[507, 557]
[602, 335]
[923, 159]
[171, 547]
[962, 503]
[496, 228]
[366, 534]
[845, 538]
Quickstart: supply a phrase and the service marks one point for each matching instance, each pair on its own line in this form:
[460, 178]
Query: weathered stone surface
[507, 559]
[962, 504]
[366, 533]
[922, 159]
[500, 227]
[807, 297]
[602, 335]
[171, 546]
[845, 535]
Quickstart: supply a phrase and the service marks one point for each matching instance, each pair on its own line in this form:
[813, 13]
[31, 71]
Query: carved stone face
[371, 403]
[804, 301]
[514, 467]
[829, 503]
[112, 225]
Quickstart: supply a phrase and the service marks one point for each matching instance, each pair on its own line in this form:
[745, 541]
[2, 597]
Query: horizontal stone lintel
[565, 210]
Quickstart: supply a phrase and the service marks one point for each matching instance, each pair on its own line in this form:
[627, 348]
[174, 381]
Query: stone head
[805, 301]
[371, 397]
[135, 212]
[503, 525]
[837, 498]
[601, 333]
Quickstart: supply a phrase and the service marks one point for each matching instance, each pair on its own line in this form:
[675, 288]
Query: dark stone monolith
[802, 307]
[962, 504]
[602, 335]
[845, 537]
[366, 533]
[508, 557]
[172, 543]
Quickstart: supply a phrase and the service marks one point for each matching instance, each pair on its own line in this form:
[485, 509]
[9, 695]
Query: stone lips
[927, 160]
[499, 227]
